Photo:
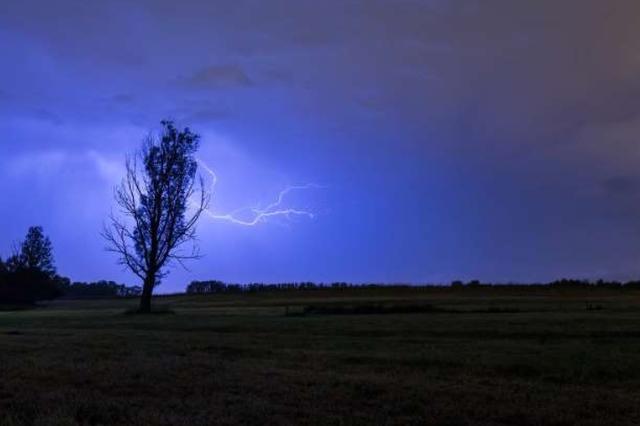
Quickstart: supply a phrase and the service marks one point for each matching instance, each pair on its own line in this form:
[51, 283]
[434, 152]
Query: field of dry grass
[481, 357]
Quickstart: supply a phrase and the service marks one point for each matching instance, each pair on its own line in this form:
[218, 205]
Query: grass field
[479, 357]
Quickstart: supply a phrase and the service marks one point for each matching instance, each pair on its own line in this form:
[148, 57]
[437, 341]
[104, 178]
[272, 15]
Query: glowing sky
[465, 139]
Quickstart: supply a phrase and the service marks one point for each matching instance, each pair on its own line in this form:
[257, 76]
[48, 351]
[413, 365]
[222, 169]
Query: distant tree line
[218, 287]
[29, 275]
[81, 290]
[562, 283]
[214, 286]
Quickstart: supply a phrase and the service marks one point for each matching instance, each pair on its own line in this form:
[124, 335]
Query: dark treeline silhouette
[562, 283]
[82, 290]
[207, 287]
[29, 275]
[217, 287]
[26, 286]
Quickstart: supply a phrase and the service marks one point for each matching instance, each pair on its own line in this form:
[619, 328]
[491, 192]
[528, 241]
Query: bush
[27, 286]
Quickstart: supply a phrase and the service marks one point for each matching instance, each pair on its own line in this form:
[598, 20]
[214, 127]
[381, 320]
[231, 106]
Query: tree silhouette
[154, 197]
[29, 274]
[36, 252]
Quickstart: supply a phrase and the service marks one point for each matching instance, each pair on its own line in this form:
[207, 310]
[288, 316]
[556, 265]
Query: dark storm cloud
[206, 115]
[218, 76]
[622, 186]
[123, 98]
[200, 111]
[279, 77]
[492, 139]
[46, 115]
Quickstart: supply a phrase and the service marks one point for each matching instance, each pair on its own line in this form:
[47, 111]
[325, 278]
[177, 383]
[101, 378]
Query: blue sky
[464, 139]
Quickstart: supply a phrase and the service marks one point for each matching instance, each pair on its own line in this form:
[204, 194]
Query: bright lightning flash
[258, 215]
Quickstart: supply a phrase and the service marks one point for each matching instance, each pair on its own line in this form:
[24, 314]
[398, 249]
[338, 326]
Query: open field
[479, 357]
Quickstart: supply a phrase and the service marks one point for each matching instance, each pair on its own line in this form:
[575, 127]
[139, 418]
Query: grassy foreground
[482, 357]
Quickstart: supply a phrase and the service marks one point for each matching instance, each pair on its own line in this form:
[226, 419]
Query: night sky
[490, 140]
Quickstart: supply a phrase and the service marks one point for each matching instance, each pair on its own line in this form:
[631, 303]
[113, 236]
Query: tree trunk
[147, 291]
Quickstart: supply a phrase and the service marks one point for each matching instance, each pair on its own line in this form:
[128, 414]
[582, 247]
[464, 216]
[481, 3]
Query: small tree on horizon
[34, 253]
[154, 199]
[29, 274]
[37, 251]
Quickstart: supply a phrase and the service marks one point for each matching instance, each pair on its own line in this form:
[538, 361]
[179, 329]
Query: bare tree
[160, 200]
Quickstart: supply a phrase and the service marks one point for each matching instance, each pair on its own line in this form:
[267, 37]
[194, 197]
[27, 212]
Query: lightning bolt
[258, 215]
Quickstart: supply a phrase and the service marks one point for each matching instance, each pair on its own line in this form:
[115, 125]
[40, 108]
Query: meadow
[490, 356]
